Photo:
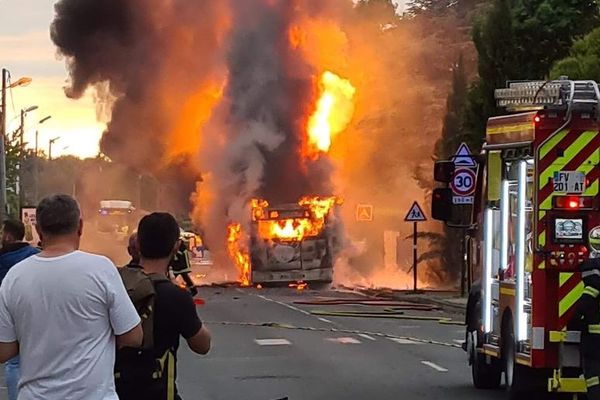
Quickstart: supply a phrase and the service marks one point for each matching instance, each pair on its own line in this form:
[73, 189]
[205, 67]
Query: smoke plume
[224, 89]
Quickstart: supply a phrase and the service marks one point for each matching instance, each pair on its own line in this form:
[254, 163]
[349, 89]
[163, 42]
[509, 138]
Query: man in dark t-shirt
[150, 373]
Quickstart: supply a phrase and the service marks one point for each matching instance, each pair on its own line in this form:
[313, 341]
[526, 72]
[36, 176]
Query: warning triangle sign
[463, 156]
[364, 212]
[415, 214]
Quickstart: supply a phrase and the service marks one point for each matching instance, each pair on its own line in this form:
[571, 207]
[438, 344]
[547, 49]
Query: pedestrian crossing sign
[415, 214]
[364, 212]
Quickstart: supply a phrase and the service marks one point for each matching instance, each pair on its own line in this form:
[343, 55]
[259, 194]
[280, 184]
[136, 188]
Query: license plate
[569, 182]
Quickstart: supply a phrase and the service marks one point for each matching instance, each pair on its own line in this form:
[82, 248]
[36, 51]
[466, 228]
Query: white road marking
[324, 320]
[365, 336]
[403, 341]
[272, 342]
[459, 341]
[344, 340]
[291, 307]
[434, 366]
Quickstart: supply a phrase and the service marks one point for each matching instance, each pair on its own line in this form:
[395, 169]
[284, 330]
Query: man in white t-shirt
[63, 310]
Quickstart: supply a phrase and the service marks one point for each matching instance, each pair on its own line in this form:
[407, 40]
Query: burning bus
[288, 242]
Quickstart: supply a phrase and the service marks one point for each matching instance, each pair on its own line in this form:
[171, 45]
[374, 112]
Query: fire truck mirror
[441, 204]
[443, 171]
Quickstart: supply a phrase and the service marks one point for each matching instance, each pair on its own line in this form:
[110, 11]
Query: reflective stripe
[595, 329]
[570, 299]
[569, 154]
[563, 277]
[594, 381]
[590, 291]
[170, 376]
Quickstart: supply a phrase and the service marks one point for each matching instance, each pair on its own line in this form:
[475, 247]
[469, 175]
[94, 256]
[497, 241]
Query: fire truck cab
[536, 207]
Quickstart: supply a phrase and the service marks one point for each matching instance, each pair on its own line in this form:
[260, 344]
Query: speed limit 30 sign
[463, 182]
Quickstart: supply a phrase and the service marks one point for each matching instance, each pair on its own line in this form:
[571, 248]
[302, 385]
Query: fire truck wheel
[515, 375]
[485, 376]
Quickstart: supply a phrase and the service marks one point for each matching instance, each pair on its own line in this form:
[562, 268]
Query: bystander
[63, 311]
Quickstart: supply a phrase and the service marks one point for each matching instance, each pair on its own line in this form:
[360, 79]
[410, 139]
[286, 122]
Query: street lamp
[36, 167]
[25, 81]
[50, 143]
[5, 87]
[20, 191]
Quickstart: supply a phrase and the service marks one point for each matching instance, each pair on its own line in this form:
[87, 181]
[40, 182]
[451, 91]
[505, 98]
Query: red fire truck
[535, 219]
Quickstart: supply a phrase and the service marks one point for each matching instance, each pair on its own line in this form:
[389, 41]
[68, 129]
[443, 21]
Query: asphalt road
[374, 359]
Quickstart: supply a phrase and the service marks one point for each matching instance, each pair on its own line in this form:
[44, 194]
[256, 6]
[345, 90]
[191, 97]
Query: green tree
[445, 246]
[494, 39]
[545, 31]
[461, 7]
[452, 132]
[520, 39]
[12, 156]
[377, 7]
[583, 61]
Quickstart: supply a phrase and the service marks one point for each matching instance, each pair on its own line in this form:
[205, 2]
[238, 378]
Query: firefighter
[587, 320]
[181, 266]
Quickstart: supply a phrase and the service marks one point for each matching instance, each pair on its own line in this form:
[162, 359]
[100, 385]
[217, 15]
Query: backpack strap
[158, 278]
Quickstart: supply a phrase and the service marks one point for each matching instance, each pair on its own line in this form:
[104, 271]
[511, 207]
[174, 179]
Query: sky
[27, 51]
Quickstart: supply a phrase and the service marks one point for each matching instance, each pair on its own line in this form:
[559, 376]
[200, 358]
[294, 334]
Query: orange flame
[300, 286]
[295, 229]
[238, 254]
[333, 113]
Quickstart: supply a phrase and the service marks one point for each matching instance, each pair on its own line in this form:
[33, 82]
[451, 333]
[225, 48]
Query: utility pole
[21, 158]
[36, 169]
[20, 180]
[5, 86]
[3, 146]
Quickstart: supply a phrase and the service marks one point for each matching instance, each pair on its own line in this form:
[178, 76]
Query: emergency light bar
[529, 93]
[537, 95]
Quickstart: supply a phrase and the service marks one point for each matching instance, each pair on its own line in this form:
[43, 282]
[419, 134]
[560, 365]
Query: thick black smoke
[153, 54]
[269, 88]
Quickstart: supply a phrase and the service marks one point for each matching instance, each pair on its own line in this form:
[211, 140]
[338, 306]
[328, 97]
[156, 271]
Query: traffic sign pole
[415, 256]
[415, 215]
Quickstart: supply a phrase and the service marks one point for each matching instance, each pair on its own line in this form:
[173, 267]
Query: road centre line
[272, 342]
[403, 341]
[365, 336]
[434, 366]
[344, 340]
[291, 307]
